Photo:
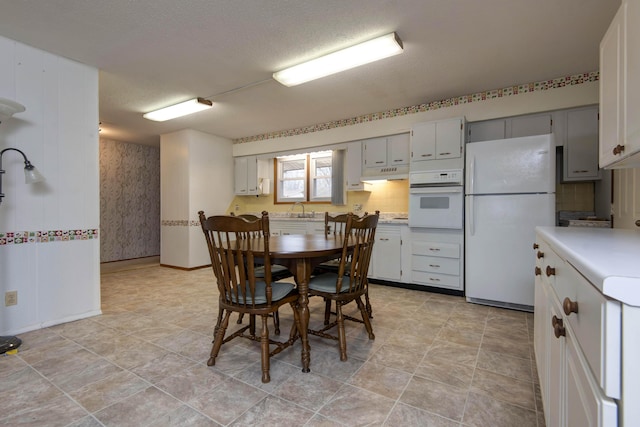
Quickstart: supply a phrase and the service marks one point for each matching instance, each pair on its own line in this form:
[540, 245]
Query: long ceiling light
[178, 110]
[351, 57]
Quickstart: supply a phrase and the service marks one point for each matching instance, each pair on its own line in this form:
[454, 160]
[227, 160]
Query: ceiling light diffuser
[178, 110]
[351, 57]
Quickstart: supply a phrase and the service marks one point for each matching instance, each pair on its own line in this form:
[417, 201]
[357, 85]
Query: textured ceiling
[153, 53]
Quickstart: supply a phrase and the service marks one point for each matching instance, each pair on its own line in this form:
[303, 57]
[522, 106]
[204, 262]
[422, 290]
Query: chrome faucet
[294, 205]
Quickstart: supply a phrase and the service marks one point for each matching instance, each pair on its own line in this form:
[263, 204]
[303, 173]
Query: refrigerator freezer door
[515, 165]
[499, 232]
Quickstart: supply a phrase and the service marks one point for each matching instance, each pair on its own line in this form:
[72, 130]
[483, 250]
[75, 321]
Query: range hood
[388, 172]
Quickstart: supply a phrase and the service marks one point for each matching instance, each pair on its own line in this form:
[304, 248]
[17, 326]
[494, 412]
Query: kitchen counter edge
[607, 257]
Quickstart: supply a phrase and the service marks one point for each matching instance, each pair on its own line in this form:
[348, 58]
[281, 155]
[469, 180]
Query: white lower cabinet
[386, 258]
[437, 258]
[284, 227]
[577, 345]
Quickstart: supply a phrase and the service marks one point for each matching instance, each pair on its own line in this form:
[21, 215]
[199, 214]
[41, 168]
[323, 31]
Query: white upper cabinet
[620, 89]
[487, 130]
[531, 124]
[353, 169]
[510, 127]
[580, 148]
[375, 152]
[437, 140]
[398, 149]
[249, 173]
[386, 151]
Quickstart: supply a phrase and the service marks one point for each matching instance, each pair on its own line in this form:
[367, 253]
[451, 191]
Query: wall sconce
[31, 174]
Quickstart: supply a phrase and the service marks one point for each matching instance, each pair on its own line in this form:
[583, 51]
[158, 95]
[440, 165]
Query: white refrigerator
[509, 190]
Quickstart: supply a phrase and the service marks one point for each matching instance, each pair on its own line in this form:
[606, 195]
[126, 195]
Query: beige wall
[385, 196]
[529, 102]
[392, 196]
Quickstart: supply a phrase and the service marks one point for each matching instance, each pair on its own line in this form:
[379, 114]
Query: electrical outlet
[11, 298]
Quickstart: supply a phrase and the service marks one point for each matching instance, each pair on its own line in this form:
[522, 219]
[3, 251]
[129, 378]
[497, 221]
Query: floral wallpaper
[129, 200]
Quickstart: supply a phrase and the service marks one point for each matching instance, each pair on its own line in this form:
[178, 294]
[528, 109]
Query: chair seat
[327, 283]
[275, 269]
[279, 291]
[333, 266]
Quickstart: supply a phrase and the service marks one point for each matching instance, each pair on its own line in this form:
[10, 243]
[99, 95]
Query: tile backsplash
[578, 196]
[385, 196]
[393, 196]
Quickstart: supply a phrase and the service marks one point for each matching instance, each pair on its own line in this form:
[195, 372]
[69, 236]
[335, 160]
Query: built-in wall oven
[436, 199]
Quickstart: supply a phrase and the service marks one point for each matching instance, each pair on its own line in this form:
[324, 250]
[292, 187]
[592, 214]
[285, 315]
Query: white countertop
[385, 218]
[608, 258]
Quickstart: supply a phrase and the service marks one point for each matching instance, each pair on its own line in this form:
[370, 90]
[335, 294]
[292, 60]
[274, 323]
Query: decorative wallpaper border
[575, 79]
[180, 223]
[19, 237]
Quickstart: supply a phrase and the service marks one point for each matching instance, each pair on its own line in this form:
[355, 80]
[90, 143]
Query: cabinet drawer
[448, 250]
[546, 261]
[435, 264]
[596, 324]
[435, 279]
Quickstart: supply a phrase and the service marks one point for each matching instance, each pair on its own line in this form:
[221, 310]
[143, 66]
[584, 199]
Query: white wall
[56, 270]
[504, 106]
[196, 173]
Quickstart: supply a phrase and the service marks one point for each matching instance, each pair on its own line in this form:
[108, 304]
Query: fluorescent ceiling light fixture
[188, 107]
[351, 57]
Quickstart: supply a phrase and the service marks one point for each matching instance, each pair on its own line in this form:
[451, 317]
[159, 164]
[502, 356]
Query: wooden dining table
[301, 253]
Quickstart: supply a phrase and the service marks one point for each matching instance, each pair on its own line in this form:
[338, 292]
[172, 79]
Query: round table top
[302, 245]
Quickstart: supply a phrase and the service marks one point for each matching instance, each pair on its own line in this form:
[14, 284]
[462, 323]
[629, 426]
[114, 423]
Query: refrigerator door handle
[472, 175]
[472, 218]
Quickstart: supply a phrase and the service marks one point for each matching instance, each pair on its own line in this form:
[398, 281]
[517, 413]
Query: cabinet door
[449, 139]
[555, 369]
[586, 405]
[632, 79]
[541, 332]
[398, 149]
[284, 228]
[626, 199]
[240, 175]
[354, 167]
[375, 152]
[580, 150]
[486, 131]
[423, 141]
[530, 125]
[252, 175]
[386, 257]
[611, 88]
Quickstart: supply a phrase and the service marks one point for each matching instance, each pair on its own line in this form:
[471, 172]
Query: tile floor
[436, 361]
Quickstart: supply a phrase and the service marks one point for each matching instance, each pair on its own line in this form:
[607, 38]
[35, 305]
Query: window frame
[309, 178]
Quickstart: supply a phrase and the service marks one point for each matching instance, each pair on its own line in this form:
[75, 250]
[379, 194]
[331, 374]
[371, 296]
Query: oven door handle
[435, 190]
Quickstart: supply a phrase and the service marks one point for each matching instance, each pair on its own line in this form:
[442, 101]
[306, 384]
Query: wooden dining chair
[278, 272]
[334, 226]
[344, 288]
[232, 244]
